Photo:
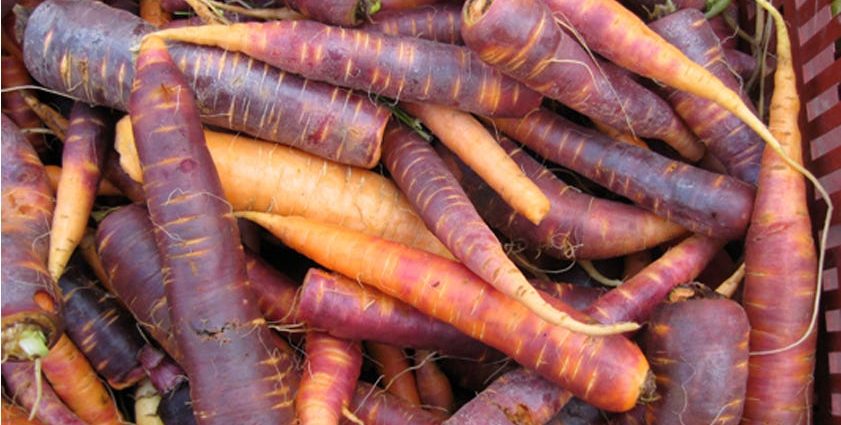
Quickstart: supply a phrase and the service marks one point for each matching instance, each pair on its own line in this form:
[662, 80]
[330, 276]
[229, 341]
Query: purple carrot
[31, 299]
[19, 378]
[437, 22]
[522, 39]
[336, 12]
[715, 205]
[578, 225]
[234, 91]
[375, 406]
[401, 68]
[728, 138]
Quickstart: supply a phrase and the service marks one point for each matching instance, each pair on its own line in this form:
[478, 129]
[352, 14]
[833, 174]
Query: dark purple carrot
[20, 382]
[215, 321]
[101, 328]
[336, 12]
[698, 349]
[175, 408]
[114, 173]
[14, 106]
[401, 68]
[349, 310]
[328, 379]
[522, 39]
[163, 372]
[373, 406]
[577, 412]
[742, 65]
[437, 22]
[578, 225]
[82, 158]
[234, 91]
[31, 299]
[715, 205]
[728, 138]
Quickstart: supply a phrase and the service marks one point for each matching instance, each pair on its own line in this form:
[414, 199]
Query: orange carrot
[82, 159]
[51, 118]
[782, 268]
[264, 176]
[475, 145]
[620, 135]
[15, 415]
[398, 376]
[106, 188]
[75, 381]
[328, 379]
[152, 12]
[433, 386]
[608, 372]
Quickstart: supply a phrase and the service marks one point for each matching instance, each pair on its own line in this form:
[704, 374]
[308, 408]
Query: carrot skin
[578, 225]
[535, 50]
[75, 381]
[19, 381]
[15, 415]
[401, 68]
[31, 300]
[348, 310]
[346, 13]
[377, 407]
[105, 188]
[728, 138]
[434, 388]
[114, 173]
[396, 373]
[14, 74]
[703, 202]
[328, 379]
[436, 22]
[175, 407]
[82, 158]
[423, 279]
[699, 351]
[101, 328]
[232, 89]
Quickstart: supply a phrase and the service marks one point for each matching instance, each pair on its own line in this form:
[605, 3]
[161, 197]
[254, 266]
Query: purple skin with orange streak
[233, 91]
[375, 406]
[14, 106]
[436, 22]
[347, 13]
[204, 264]
[703, 202]
[31, 301]
[401, 68]
[535, 50]
[101, 328]
[19, 380]
[728, 138]
[597, 229]
[701, 370]
[328, 379]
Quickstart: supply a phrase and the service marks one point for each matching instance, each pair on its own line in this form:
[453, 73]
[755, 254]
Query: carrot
[234, 91]
[198, 240]
[578, 226]
[52, 118]
[437, 22]
[14, 415]
[701, 370]
[782, 268]
[396, 373]
[146, 401]
[522, 39]
[342, 12]
[266, 177]
[164, 374]
[101, 328]
[31, 301]
[75, 381]
[620, 135]
[175, 408]
[14, 74]
[87, 248]
[444, 206]
[328, 380]
[401, 68]
[466, 137]
[407, 4]
[27, 387]
[106, 188]
[715, 205]
[425, 280]
[741, 64]
[579, 412]
[373, 406]
[82, 159]
[636, 262]
[345, 309]
[112, 172]
[153, 12]
[434, 388]
[727, 138]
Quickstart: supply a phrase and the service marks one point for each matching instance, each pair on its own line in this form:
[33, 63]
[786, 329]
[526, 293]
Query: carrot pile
[405, 212]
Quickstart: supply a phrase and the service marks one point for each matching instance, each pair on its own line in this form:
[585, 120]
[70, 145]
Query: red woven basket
[816, 41]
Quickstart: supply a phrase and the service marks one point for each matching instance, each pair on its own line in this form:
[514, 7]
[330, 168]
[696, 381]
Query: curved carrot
[78, 385]
[398, 376]
[82, 159]
[611, 373]
[328, 379]
[20, 382]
